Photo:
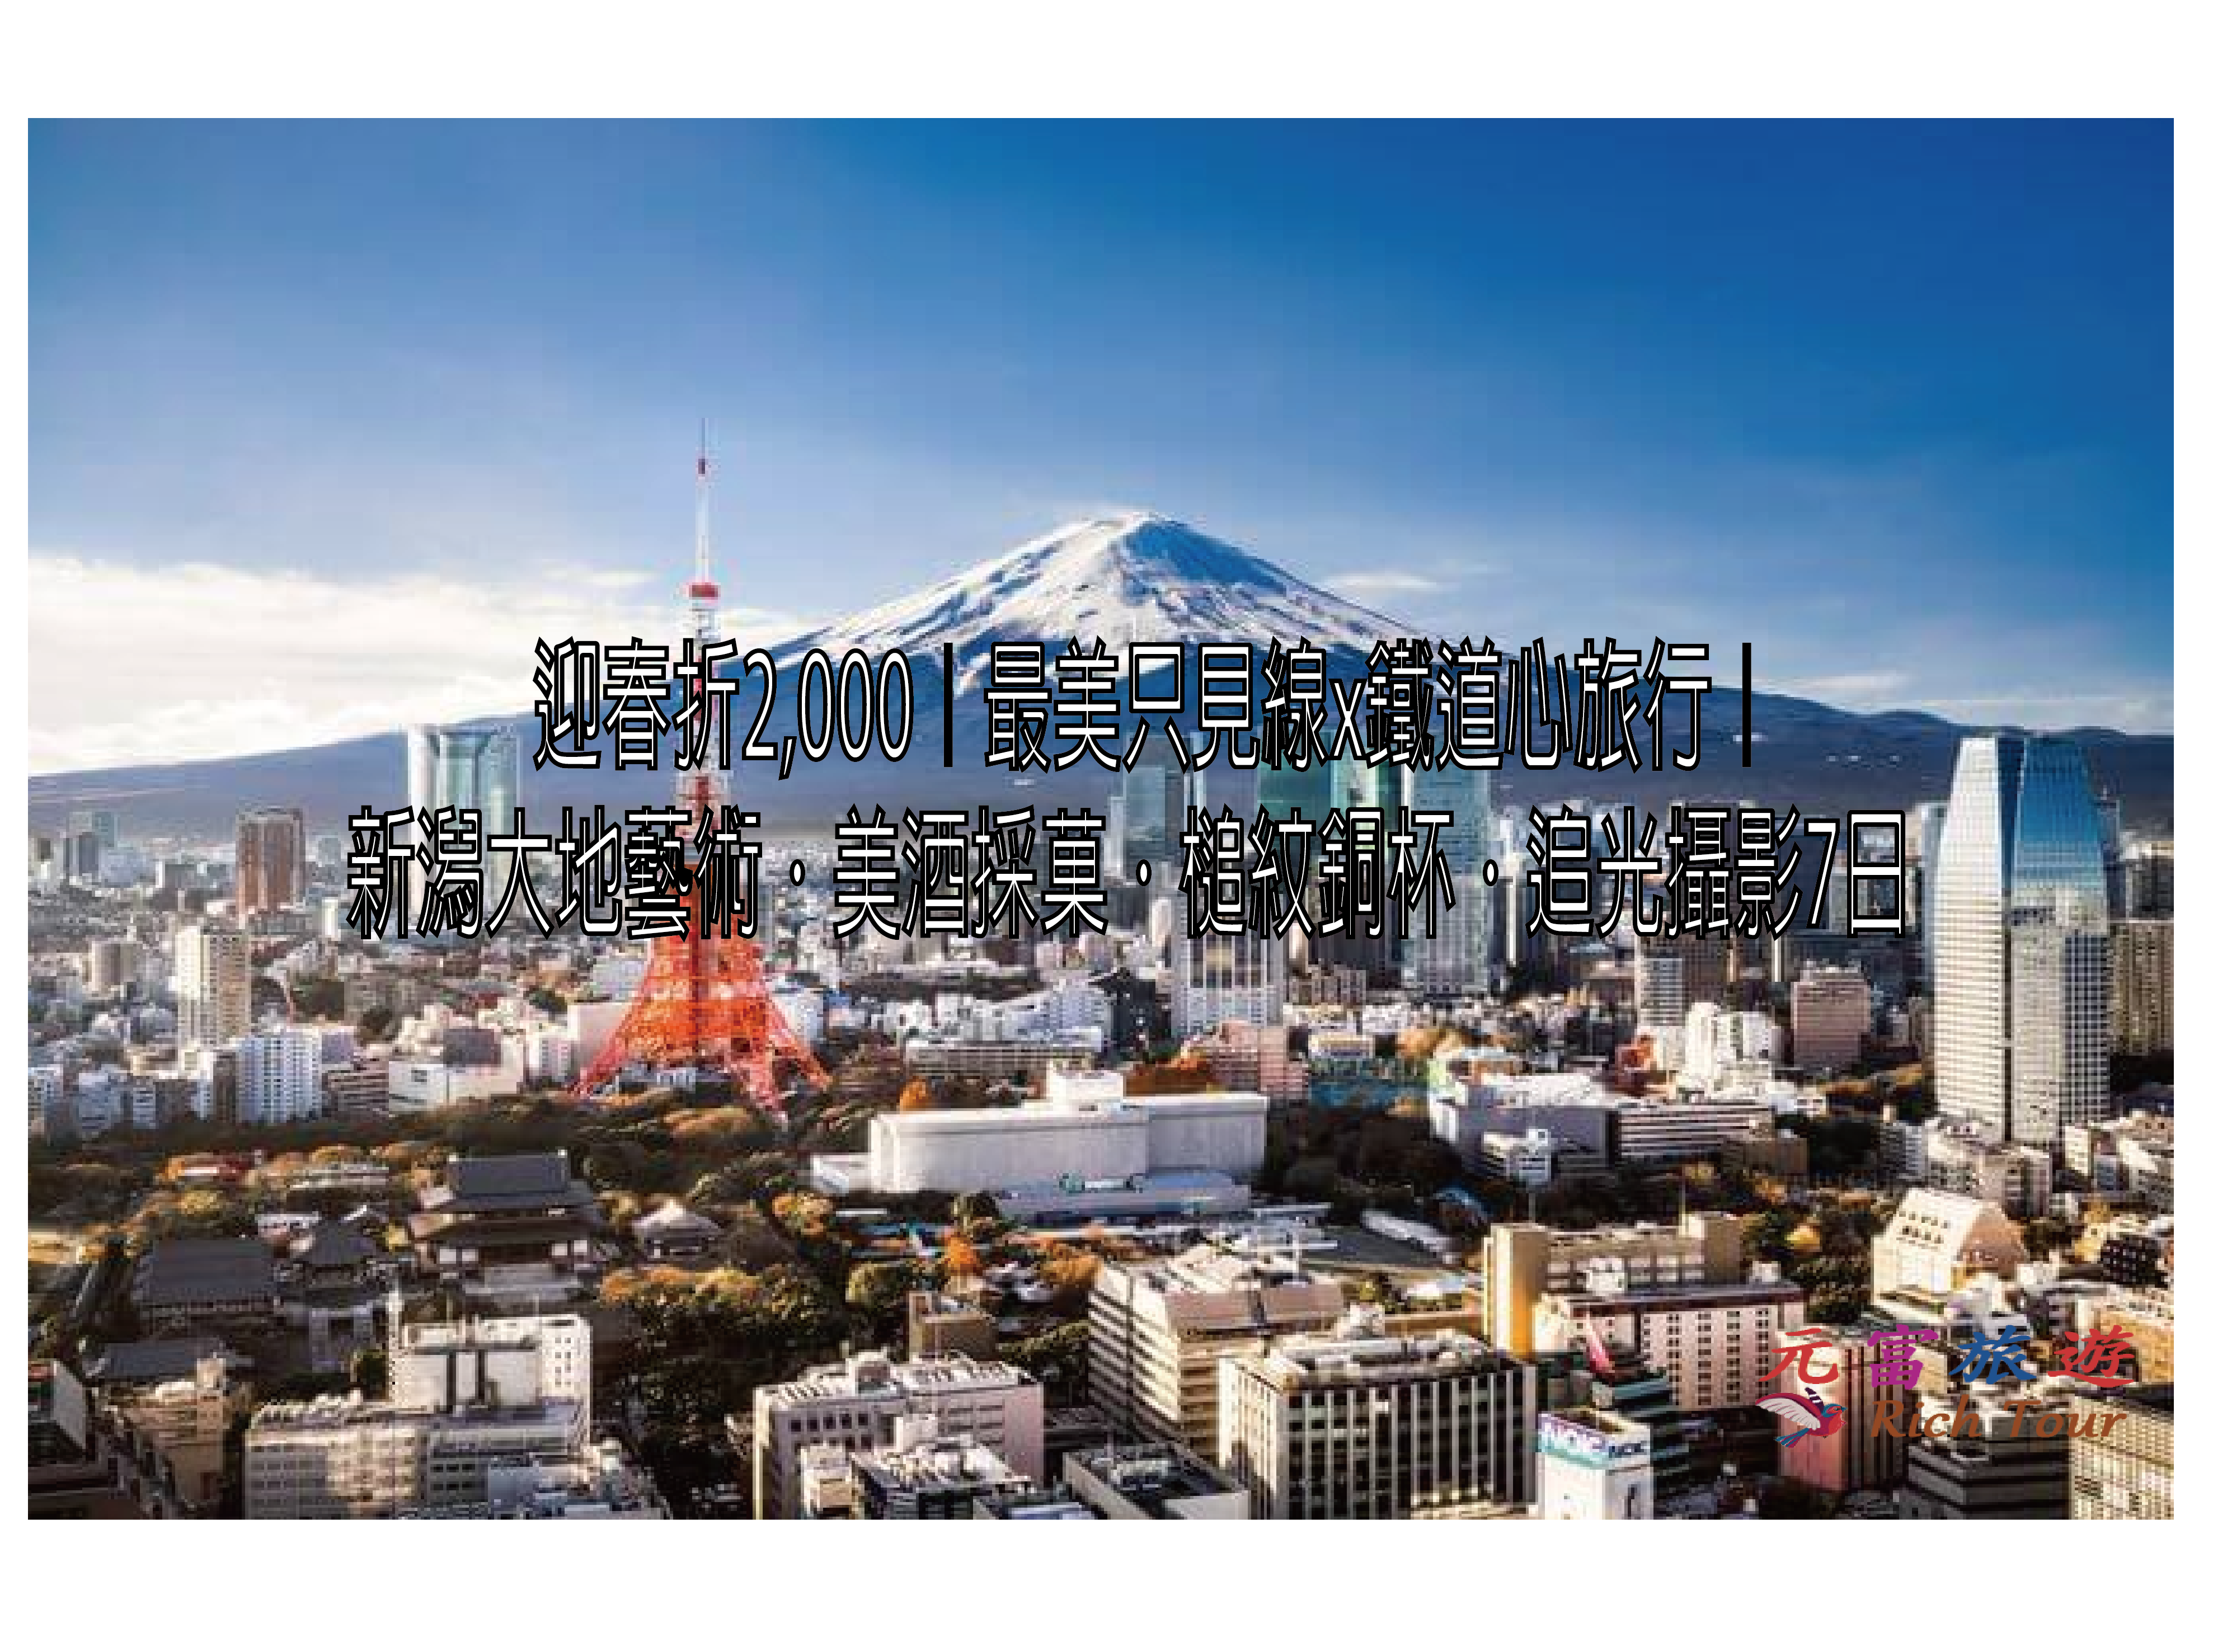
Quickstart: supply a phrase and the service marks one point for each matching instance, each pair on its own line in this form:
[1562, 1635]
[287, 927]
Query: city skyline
[1419, 366]
[1363, 1083]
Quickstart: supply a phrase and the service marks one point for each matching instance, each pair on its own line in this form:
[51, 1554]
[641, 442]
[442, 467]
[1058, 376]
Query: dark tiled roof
[509, 1182]
[180, 1272]
[509, 1173]
[433, 1228]
[334, 1244]
[156, 1360]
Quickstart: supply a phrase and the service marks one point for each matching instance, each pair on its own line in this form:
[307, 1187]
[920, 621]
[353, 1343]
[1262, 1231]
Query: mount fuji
[1131, 578]
[1135, 578]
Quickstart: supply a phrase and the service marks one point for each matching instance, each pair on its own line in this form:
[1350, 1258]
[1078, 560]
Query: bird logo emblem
[1807, 1413]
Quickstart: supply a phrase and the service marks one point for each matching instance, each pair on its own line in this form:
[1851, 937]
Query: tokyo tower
[702, 1001]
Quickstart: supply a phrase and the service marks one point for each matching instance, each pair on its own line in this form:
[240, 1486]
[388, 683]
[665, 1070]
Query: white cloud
[1375, 584]
[134, 665]
[1851, 691]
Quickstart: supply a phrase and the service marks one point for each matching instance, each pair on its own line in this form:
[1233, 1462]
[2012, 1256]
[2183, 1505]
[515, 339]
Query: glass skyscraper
[466, 766]
[1459, 958]
[2022, 1046]
[1932, 817]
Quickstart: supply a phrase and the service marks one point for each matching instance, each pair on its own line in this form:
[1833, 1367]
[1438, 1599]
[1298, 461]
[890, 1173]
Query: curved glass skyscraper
[466, 766]
[2022, 961]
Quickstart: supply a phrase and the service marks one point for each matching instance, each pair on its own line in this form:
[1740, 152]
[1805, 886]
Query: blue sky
[316, 407]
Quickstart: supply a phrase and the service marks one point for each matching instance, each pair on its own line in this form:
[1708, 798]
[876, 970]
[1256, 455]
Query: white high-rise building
[1160, 1330]
[517, 1359]
[212, 969]
[854, 1405]
[281, 1075]
[1593, 1466]
[1227, 977]
[2022, 1045]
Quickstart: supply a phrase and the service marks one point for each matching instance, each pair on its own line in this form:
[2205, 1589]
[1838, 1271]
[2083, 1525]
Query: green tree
[1058, 1358]
[876, 1292]
[706, 1341]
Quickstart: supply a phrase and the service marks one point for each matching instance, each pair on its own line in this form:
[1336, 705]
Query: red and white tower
[703, 1002]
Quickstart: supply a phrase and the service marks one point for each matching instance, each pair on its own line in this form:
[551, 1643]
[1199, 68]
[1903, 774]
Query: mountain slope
[1136, 577]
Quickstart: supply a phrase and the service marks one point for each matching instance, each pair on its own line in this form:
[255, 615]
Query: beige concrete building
[1959, 1159]
[1253, 1058]
[347, 1458]
[178, 1429]
[2141, 986]
[1937, 1242]
[2125, 1473]
[1159, 1329]
[937, 1324]
[1525, 1262]
[856, 1405]
[1354, 1425]
[1832, 1011]
[1715, 1342]
[2143, 1316]
[212, 971]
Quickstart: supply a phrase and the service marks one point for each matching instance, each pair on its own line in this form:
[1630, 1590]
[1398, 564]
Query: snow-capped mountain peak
[1136, 576]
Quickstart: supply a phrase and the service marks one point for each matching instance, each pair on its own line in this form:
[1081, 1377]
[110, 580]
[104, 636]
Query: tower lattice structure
[702, 1001]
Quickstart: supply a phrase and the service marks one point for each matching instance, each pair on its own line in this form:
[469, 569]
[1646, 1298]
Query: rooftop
[509, 1182]
[154, 1360]
[1342, 1356]
[944, 1463]
[184, 1272]
[1207, 1268]
[877, 1376]
[1150, 1477]
[353, 1411]
[334, 1244]
[671, 1218]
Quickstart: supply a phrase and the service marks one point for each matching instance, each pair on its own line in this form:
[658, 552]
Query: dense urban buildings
[1131, 1225]
[1549, 1007]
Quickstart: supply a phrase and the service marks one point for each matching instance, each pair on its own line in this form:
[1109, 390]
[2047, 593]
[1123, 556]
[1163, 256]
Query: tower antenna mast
[704, 588]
